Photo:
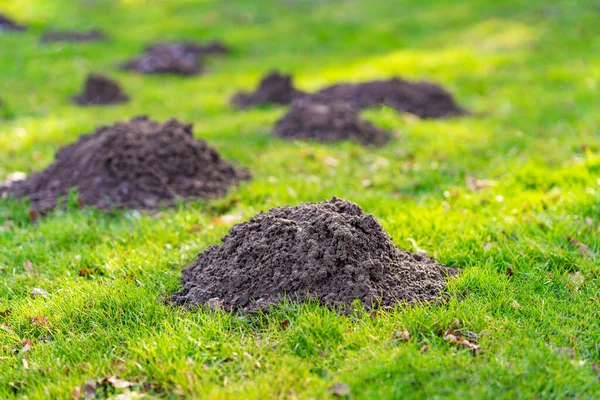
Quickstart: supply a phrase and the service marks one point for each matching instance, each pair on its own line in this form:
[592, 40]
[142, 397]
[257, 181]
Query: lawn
[527, 244]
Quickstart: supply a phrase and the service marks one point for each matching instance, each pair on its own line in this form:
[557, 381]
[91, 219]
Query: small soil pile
[136, 164]
[274, 88]
[73, 36]
[183, 58]
[424, 99]
[100, 90]
[7, 24]
[191, 48]
[328, 122]
[330, 251]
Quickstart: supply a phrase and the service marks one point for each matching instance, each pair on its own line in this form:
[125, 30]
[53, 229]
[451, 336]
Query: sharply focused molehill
[424, 99]
[137, 164]
[274, 88]
[100, 90]
[308, 119]
[180, 58]
[73, 36]
[329, 251]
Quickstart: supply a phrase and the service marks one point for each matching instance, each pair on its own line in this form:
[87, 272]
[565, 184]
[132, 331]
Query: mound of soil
[183, 58]
[308, 119]
[331, 251]
[7, 24]
[424, 99]
[191, 48]
[100, 90]
[136, 164]
[73, 36]
[274, 88]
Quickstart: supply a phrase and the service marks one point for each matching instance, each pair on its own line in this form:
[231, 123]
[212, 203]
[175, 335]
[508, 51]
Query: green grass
[529, 70]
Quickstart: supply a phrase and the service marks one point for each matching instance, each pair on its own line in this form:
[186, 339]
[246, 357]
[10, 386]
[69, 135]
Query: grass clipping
[329, 251]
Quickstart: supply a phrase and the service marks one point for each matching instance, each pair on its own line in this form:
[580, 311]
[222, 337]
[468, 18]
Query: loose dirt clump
[424, 99]
[100, 90]
[7, 24]
[330, 251]
[274, 88]
[183, 58]
[137, 164]
[191, 48]
[73, 36]
[328, 122]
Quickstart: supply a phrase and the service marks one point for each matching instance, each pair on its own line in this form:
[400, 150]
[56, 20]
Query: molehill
[329, 251]
[73, 36]
[424, 99]
[183, 58]
[137, 164]
[100, 90]
[308, 119]
[6, 24]
[274, 88]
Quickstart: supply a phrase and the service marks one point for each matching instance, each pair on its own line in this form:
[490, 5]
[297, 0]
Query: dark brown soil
[328, 122]
[191, 48]
[183, 58]
[136, 164]
[73, 36]
[330, 251]
[100, 90]
[7, 24]
[424, 99]
[274, 88]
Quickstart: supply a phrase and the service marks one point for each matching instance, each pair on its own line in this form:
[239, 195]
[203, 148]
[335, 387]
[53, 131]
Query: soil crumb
[330, 251]
[424, 99]
[6, 24]
[182, 58]
[139, 164]
[73, 36]
[100, 90]
[308, 119]
[274, 88]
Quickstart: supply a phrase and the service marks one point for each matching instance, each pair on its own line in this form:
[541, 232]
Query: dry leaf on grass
[76, 393]
[118, 383]
[39, 292]
[39, 320]
[28, 265]
[478, 184]
[92, 386]
[89, 389]
[576, 279]
[27, 345]
[584, 250]
[457, 339]
[460, 341]
[339, 389]
[33, 216]
[6, 312]
[403, 335]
